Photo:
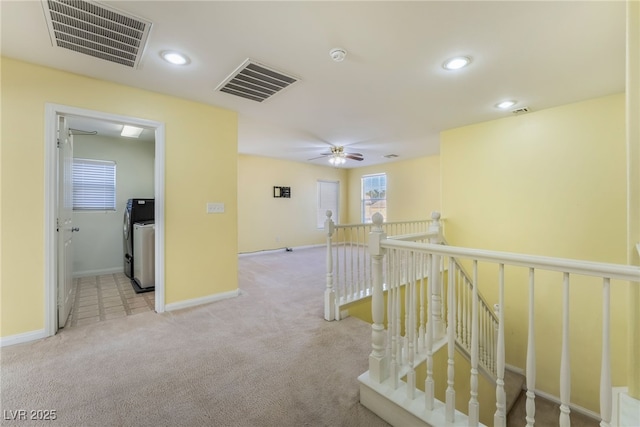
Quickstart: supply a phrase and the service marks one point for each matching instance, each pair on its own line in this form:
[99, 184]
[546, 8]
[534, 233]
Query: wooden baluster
[365, 286]
[421, 330]
[451, 345]
[405, 281]
[377, 362]
[348, 270]
[565, 364]
[531, 354]
[411, 325]
[482, 337]
[459, 308]
[339, 284]
[429, 393]
[493, 332]
[398, 291]
[392, 308]
[329, 293]
[434, 280]
[500, 417]
[348, 260]
[495, 346]
[356, 265]
[467, 314]
[474, 407]
[605, 370]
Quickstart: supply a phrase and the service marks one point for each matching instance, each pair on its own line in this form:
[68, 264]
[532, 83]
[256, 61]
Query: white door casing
[52, 111]
[64, 221]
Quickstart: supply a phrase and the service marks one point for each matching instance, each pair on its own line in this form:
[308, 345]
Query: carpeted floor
[265, 358]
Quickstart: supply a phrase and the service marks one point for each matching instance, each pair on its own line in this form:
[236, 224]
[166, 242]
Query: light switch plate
[213, 208]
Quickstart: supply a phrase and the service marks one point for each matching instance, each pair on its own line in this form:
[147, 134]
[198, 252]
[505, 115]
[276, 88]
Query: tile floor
[100, 298]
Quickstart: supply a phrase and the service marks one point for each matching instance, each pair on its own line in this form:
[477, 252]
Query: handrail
[408, 335]
[371, 224]
[414, 236]
[588, 268]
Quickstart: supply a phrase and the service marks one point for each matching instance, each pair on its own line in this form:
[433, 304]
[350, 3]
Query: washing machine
[137, 210]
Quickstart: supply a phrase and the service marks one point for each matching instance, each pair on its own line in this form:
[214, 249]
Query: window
[94, 185]
[328, 193]
[374, 196]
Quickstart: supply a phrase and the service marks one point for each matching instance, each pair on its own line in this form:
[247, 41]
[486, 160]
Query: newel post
[377, 361]
[435, 278]
[329, 293]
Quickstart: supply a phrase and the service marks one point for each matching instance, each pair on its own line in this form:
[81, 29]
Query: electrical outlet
[213, 208]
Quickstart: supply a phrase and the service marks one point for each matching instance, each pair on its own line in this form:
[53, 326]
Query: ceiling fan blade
[316, 158]
[352, 157]
[354, 154]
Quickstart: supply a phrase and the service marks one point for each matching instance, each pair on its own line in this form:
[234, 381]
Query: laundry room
[101, 258]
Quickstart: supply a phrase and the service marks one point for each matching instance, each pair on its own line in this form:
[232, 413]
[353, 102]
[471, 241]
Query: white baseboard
[100, 272]
[574, 408]
[515, 369]
[23, 338]
[283, 249]
[199, 301]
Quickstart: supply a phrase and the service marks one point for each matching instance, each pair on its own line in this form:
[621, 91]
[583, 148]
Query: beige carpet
[265, 358]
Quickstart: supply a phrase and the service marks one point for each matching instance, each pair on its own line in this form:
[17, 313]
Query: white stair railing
[349, 265]
[405, 262]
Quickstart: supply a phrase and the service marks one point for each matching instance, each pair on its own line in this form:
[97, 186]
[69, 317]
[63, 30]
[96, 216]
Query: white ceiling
[390, 94]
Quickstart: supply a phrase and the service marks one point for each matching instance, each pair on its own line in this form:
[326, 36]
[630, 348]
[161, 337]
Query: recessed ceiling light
[506, 104]
[174, 57]
[456, 63]
[131, 131]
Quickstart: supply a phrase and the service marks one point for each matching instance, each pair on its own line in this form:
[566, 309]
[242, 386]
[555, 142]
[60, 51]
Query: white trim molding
[99, 272]
[50, 179]
[23, 338]
[203, 300]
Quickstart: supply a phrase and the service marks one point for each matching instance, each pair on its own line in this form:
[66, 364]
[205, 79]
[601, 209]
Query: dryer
[137, 210]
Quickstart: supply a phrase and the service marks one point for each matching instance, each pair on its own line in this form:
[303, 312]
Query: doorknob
[75, 229]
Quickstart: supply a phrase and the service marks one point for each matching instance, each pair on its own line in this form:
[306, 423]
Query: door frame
[50, 203]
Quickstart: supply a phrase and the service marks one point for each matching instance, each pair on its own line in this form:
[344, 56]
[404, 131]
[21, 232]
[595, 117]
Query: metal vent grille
[255, 81]
[96, 30]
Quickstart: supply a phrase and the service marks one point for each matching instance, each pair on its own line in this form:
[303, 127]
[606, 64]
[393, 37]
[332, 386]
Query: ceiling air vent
[520, 110]
[255, 81]
[96, 30]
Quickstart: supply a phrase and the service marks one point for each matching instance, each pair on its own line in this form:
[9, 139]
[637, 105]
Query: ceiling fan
[337, 155]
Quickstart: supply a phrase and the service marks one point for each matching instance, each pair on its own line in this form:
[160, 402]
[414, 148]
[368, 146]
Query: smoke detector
[338, 54]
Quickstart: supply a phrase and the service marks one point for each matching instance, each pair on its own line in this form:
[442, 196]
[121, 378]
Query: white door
[64, 221]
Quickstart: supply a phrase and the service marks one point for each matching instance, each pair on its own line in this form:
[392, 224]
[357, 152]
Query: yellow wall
[633, 167]
[413, 189]
[265, 222]
[201, 155]
[551, 182]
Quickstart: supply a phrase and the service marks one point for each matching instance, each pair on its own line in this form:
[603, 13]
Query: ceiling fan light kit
[337, 160]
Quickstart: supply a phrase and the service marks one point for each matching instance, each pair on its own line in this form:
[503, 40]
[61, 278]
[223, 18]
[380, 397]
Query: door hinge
[57, 225]
[58, 142]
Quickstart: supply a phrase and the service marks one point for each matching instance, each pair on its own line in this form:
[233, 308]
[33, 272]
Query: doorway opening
[52, 114]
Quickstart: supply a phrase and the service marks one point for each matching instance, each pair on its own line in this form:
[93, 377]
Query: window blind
[94, 184]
